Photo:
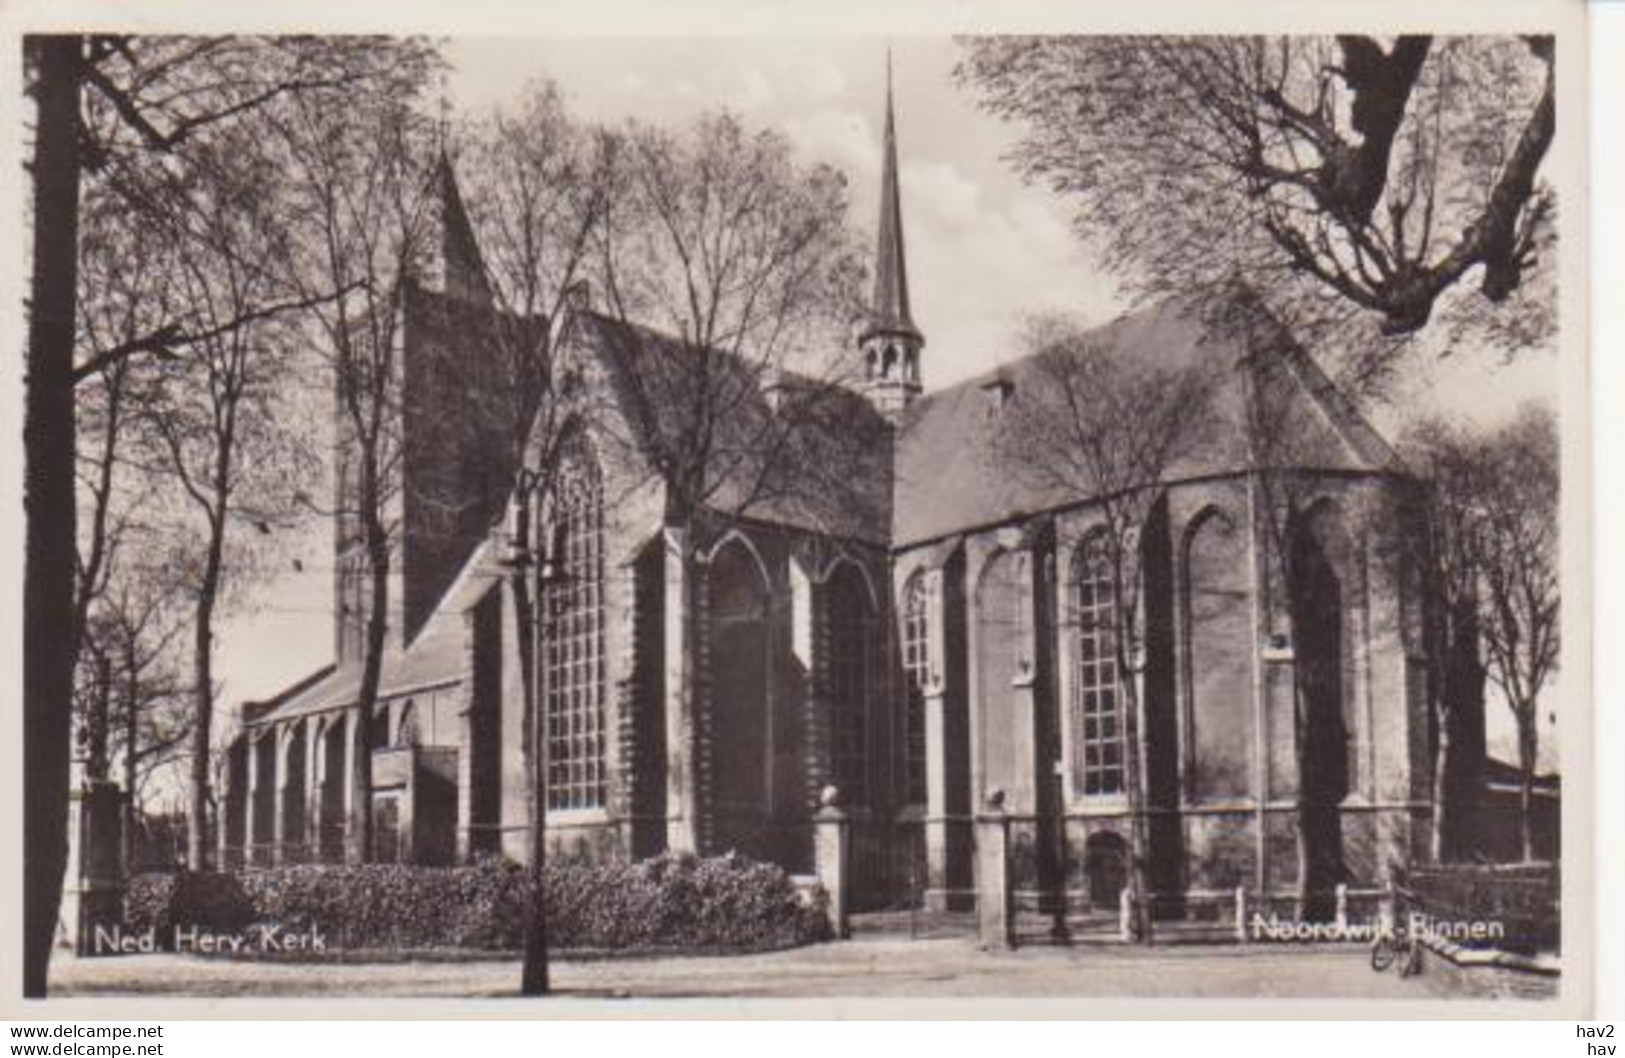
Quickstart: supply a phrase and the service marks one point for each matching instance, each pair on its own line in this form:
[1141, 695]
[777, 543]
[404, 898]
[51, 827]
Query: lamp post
[520, 559]
[1138, 843]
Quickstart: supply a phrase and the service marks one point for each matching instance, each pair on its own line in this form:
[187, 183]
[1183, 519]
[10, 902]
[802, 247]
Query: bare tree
[736, 276]
[125, 286]
[540, 186]
[733, 279]
[1101, 424]
[1441, 454]
[1355, 181]
[102, 102]
[361, 186]
[1495, 499]
[214, 421]
[129, 698]
[1499, 493]
[1521, 625]
[134, 689]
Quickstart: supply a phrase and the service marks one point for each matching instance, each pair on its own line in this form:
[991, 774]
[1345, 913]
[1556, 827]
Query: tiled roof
[948, 478]
[829, 470]
[436, 656]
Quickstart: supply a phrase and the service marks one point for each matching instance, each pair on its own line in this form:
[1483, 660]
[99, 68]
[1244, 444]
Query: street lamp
[518, 559]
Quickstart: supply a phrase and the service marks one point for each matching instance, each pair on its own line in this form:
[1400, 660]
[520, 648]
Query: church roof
[948, 474]
[789, 449]
[435, 657]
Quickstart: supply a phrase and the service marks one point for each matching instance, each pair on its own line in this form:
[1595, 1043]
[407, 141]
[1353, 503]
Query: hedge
[667, 903]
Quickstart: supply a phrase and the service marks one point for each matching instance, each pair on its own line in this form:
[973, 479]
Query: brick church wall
[1232, 715]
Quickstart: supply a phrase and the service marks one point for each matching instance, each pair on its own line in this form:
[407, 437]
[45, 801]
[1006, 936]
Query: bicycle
[1396, 944]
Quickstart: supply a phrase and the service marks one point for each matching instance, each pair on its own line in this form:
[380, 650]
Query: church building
[928, 636]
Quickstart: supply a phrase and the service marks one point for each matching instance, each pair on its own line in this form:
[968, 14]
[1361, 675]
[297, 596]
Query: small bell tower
[890, 342]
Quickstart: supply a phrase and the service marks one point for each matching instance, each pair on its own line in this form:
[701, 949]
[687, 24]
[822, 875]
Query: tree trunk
[131, 731]
[1526, 779]
[1138, 851]
[1459, 769]
[197, 816]
[98, 724]
[372, 666]
[48, 579]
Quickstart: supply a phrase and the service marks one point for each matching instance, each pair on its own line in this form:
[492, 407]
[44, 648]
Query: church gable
[948, 477]
[791, 451]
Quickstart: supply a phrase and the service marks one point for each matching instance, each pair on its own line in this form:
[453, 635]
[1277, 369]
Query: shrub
[163, 901]
[668, 903]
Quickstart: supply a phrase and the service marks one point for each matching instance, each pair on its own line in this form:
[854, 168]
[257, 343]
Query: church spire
[462, 270]
[890, 342]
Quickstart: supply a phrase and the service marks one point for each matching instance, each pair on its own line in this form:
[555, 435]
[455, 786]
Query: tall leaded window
[353, 581]
[917, 676]
[1096, 693]
[573, 637]
[851, 631]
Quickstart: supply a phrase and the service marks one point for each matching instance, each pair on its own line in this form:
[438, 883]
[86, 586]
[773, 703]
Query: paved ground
[861, 968]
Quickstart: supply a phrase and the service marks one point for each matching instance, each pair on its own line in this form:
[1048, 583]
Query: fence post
[1125, 913]
[1342, 907]
[995, 896]
[832, 847]
[1386, 905]
[1241, 914]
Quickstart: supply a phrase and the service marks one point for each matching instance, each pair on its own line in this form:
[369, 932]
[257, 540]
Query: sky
[984, 249]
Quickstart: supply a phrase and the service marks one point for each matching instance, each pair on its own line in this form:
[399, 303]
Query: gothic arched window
[406, 732]
[851, 631]
[1097, 744]
[378, 731]
[917, 675]
[573, 636]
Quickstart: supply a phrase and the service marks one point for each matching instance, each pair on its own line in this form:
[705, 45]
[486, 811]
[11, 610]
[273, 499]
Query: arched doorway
[1319, 612]
[738, 650]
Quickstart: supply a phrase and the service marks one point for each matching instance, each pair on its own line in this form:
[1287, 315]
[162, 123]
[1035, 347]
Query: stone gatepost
[995, 889]
[94, 895]
[832, 859]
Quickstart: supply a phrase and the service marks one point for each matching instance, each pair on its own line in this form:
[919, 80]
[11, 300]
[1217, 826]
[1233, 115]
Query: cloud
[940, 192]
[841, 138]
[978, 269]
[752, 91]
[979, 262]
[819, 79]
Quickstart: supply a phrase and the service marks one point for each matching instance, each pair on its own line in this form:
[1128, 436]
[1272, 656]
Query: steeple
[890, 342]
[462, 270]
